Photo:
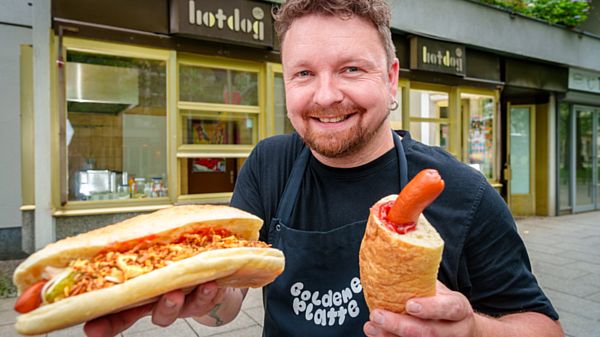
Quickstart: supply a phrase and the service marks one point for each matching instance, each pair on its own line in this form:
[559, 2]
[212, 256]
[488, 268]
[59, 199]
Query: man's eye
[351, 69]
[303, 73]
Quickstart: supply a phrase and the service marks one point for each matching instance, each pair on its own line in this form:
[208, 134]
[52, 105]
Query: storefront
[528, 105]
[158, 104]
[450, 98]
[578, 152]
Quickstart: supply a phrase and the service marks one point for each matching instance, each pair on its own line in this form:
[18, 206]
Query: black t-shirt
[484, 258]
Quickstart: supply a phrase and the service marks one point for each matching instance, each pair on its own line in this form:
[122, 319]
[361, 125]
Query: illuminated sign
[237, 21]
[442, 57]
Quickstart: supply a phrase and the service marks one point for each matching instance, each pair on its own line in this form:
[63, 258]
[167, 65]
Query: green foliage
[570, 13]
[7, 289]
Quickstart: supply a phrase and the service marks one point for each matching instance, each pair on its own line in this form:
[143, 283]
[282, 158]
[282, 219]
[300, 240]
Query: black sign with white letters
[237, 21]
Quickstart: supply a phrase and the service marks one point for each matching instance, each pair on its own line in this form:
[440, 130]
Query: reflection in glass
[116, 127]
[212, 85]
[564, 136]
[480, 150]
[434, 134]
[282, 122]
[584, 160]
[520, 150]
[428, 104]
[218, 128]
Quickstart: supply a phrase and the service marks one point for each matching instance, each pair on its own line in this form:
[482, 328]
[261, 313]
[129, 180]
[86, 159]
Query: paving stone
[557, 259]
[180, 328]
[566, 303]
[9, 331]
[7, 303]
[558, 271]
[257, 314]
[253, 331]
[583, 265]
[555, 249]
[595, 297]
[8, 317]
[573, 246]
[74, 331]
[583, 290]
[581, 256]
[240, 322]
[253, 299]
[577, 326]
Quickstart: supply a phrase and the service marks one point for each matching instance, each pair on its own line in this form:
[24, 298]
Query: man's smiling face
[338, 83]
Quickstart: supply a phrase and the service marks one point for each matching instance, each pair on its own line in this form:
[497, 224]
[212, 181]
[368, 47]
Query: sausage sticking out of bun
[401, 252]
[135, 261]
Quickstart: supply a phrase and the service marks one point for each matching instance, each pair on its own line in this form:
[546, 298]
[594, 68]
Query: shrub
[570, 13]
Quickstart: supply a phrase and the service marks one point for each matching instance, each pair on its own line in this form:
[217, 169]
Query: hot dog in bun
[401, 252]
[133, 262]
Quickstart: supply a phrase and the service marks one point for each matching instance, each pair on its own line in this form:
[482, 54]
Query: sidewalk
[565, 256]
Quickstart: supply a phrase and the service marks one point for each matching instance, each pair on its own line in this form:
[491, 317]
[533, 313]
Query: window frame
[187, 151]
[495, 180]
[92, 207]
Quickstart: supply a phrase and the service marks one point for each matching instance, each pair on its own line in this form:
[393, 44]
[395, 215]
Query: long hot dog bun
[233, 267]
[396, 267]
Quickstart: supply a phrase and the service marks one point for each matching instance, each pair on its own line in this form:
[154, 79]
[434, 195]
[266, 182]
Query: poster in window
[209, 132]
[208, 165]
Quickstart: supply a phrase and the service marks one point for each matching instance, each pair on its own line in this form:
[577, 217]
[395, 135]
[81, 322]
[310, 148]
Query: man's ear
[393, 76]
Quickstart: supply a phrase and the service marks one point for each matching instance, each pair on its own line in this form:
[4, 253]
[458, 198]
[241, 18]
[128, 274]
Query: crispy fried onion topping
[113, 267]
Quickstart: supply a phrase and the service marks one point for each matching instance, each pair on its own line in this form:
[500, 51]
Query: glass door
[521, 159]
[585, 162]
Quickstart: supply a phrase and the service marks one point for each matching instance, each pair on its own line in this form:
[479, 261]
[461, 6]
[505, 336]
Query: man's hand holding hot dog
[399, 259]
[449, 314]
[208, 304]
[183, 261]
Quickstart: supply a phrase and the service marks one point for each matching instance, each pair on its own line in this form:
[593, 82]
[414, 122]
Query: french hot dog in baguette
[133, 262]
[400, 252]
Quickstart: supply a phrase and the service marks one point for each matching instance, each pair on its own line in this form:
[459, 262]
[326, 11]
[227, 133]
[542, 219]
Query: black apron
[319, 293]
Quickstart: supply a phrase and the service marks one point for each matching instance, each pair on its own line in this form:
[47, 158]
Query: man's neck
[381, 143]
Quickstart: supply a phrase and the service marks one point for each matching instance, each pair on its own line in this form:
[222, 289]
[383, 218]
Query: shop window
[429, 122]
[479, 115]
[218, 128]
[116, 127]
[218, 124]
[210, 85]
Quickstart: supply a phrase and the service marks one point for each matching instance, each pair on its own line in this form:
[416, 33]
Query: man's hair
[374, 11]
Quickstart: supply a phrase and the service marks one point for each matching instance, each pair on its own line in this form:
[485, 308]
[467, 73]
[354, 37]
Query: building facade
[143, 104]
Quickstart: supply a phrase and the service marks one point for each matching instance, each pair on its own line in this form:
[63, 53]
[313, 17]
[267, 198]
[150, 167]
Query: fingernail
[169, 303]
[378, 318]
[371, 330]
[413, 307]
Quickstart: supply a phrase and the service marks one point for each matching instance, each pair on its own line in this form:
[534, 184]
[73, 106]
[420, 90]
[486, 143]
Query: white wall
[15, 17]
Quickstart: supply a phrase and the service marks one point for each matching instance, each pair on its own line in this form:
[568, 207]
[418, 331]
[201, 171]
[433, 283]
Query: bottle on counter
[139, 187]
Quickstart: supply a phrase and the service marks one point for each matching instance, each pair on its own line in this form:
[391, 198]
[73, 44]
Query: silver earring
[394, 105]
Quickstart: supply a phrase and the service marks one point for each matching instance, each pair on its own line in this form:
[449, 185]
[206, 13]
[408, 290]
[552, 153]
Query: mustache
[335, 110]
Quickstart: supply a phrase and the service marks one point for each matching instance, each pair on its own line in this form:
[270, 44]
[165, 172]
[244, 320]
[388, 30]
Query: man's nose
[327, 92]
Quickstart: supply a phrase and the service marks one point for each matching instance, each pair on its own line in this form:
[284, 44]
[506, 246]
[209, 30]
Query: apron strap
[402, 162]
[292, 187]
